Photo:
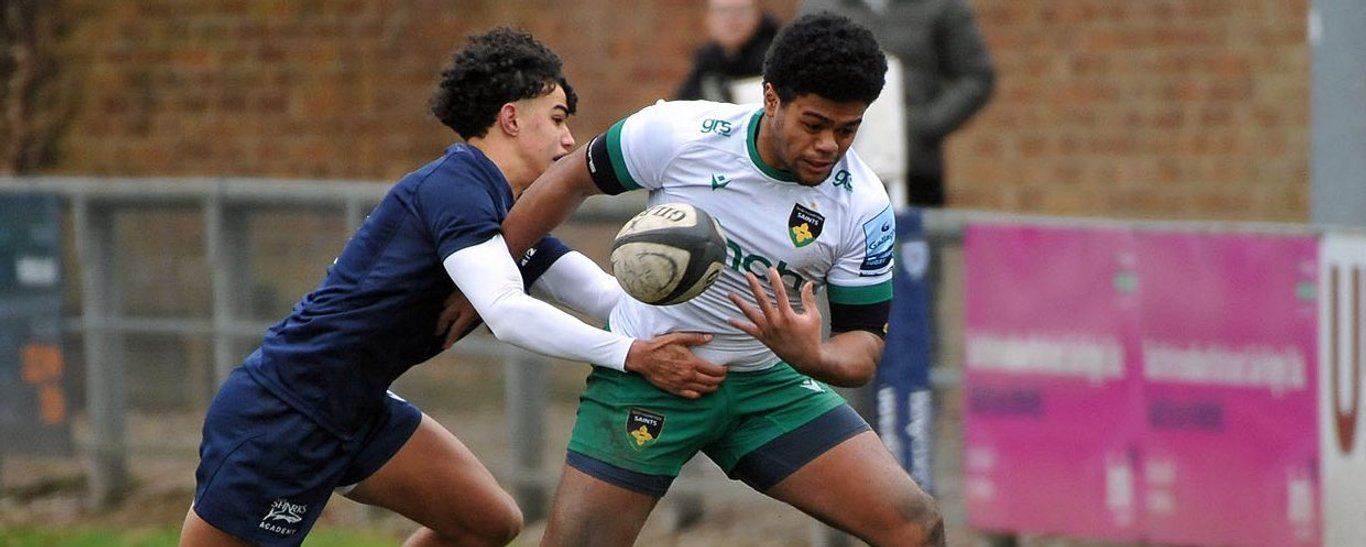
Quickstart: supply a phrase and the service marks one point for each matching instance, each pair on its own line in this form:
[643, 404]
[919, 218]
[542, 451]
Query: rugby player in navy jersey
[308, 413]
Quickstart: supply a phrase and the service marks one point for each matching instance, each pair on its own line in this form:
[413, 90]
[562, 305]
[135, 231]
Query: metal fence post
[526, 389]
[226, 243]
[106, 399]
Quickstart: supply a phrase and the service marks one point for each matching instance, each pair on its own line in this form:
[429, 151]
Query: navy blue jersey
[373, 316]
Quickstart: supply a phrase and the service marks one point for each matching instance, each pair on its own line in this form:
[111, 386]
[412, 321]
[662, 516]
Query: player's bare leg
[437, 482]
[196, 532]
[858, 487]
[588, 512]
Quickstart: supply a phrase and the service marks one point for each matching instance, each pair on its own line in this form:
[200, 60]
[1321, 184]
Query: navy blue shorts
[266, 470]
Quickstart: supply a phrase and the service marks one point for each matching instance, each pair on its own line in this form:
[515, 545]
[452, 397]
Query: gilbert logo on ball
[669, 253]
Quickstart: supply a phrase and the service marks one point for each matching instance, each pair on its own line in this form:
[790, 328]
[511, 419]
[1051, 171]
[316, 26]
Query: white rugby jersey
[839, 234]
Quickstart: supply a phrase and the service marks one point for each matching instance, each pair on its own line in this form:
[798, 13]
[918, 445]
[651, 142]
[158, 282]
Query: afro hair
[827, 55]
[495, 68]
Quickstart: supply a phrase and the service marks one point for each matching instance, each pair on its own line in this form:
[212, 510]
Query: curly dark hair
[494, 68]
[827, 55]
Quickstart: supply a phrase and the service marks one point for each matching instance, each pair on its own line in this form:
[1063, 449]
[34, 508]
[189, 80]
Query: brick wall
[1155, 108]
[329, 88]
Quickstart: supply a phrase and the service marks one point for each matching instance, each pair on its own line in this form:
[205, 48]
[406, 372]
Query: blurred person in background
[740, 32]
[308, 413]
[947, 76]
[799, 209]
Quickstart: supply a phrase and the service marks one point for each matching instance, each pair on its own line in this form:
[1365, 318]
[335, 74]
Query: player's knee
[932, 527]
[501, 525]
[508, 527]
[924, 522]
[911, 519]
[495, 525]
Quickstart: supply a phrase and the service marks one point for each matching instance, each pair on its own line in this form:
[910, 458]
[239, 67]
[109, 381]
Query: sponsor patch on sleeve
[879, 237]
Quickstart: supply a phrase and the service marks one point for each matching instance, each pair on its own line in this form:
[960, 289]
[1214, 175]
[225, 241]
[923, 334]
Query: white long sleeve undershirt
[489, 278]
[576, 281]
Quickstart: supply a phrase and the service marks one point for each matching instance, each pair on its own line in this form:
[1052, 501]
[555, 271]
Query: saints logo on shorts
[643, 426]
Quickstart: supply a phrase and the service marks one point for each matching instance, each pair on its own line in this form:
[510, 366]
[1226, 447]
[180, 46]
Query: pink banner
[1139, 385]
[1229, 343]
[1051, 421]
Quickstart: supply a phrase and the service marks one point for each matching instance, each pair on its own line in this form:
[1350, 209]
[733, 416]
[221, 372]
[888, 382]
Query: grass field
[26, 536]
[165, 536]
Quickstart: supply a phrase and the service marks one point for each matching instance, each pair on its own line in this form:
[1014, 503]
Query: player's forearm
[488, 277]
[548, 202]
[530, 324]
[847, 359]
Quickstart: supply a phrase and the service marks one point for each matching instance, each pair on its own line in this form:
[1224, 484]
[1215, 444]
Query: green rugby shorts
[757, 426]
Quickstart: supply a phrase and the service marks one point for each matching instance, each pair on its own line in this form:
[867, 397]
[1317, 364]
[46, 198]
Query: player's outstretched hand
[794, 336]
[667, 362]
[457, 319]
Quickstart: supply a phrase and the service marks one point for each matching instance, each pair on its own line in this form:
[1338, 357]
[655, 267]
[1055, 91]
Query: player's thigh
[629, 441]
[435, 480]
[265, 470]
[590, 512]
[196, 532]
[857, 486]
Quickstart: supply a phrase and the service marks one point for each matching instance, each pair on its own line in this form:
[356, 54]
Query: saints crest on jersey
[643, 427]
[804, 225]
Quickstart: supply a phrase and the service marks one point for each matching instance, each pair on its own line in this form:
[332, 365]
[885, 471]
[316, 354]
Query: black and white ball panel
[668, 254]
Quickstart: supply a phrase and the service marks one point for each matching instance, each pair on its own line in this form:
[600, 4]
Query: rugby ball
[668, 253]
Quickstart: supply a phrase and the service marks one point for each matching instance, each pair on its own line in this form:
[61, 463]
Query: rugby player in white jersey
[801, 213]
[308, 412]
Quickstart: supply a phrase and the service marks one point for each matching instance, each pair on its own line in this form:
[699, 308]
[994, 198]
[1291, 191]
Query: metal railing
[225, 209]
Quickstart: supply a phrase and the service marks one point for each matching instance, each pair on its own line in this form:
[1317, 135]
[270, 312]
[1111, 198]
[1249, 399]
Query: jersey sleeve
[860, 285]
[459, 215]
[635, 151]
[863, 273]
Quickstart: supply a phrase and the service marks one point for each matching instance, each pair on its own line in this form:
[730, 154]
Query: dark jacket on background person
[947, 75]
[713, 71]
